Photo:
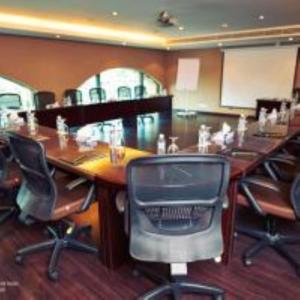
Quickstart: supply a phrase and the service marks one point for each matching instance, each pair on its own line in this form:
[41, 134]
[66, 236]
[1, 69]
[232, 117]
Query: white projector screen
[253, 73]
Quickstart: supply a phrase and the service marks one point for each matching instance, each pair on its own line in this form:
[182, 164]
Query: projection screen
[253, 73]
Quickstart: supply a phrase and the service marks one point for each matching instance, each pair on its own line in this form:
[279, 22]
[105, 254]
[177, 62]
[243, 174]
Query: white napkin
[87, 133]
[223, 136]
[14, 118]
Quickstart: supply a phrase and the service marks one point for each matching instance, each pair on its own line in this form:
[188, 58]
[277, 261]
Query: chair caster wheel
[219, 297]
[136, 273]
[247, 262]
[19, 259]
[53, 276]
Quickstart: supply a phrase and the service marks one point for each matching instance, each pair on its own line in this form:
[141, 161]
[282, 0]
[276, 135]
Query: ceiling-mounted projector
[165, 19]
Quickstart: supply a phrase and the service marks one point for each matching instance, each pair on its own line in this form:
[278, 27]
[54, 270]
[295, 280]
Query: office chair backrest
[10, 100]
[139, 91]
[295, 195]
[75, 96]
[174, 196]
[37, 194]
[124, 92]
[43, 98]
[97, 95]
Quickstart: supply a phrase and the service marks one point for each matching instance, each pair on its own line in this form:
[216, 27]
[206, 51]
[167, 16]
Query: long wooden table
[80, 115]
[112, 179]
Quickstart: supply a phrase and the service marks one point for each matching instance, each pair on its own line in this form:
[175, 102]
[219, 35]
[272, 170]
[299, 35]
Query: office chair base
[6, 212]
[59, 242]
[272, 239]
[175, 287]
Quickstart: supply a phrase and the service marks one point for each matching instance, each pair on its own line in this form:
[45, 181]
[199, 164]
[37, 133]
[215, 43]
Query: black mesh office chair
[97, 95]
[9, 183]
[124, 93]
[139, 91]
[46, 200]
[10, 100]
[75, 96]
[43, 98]
[271, 200]
[175, 209]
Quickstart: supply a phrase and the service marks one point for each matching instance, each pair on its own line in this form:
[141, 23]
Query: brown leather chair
[9, 183]
[43, 98]
[271, 200]
[50, 201]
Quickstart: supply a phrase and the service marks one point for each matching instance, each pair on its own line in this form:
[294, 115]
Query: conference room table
[110, 179]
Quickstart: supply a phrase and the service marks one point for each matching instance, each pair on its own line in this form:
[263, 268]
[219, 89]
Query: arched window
[10, 90]
[121, 84]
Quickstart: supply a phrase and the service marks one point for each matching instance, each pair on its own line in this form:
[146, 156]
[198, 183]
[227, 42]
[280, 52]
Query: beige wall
[57, 65]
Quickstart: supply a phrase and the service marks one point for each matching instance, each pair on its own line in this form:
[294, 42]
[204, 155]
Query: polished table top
[62, 150]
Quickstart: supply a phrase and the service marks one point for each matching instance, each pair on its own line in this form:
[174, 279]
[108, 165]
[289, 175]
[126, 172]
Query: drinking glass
[116, 147]
[173, 148]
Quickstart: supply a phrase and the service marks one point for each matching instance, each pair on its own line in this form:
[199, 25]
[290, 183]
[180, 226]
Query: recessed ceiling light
[114, 13]
[225, 25]
[220, 44]
[181, 28]
[261, 17]
[57, 36]
[124, 43]
[168, 48]
[291, 39]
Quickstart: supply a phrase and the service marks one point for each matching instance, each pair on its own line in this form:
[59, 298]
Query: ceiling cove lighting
[35, 24]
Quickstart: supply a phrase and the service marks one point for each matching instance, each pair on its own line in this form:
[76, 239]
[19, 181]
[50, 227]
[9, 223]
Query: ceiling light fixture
[114, 13]
[124, 43]
[261, 17]
[224, 25]
[291, 39]
[181, 28]
[40, 25]
[220, 44]
[57, 36]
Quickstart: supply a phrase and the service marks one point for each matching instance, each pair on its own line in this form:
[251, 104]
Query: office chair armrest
[75, 183]
[89, 197]
[282, 159]
[258, 181]
[286, 155]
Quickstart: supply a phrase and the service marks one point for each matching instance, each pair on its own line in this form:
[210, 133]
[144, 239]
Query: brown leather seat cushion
[14, 176]
[68, 201]
[270, 201]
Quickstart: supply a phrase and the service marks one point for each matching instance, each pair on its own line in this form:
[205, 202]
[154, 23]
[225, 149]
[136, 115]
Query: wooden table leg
[114, 242]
